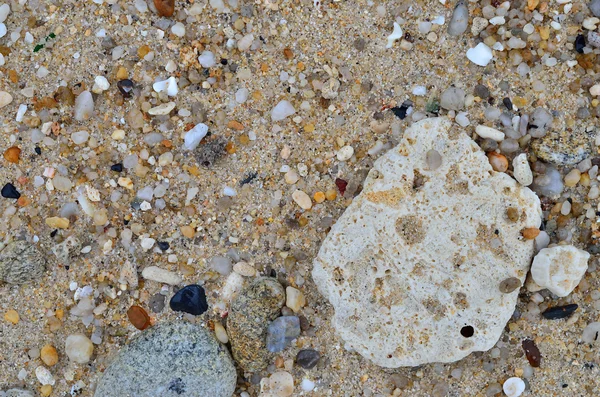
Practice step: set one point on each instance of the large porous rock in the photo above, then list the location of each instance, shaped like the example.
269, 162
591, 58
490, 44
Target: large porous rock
413, 267
249, 317
176, 359
21, 262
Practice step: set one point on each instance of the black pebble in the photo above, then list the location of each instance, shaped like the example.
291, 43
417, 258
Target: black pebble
399, 112
125, 87
308, 358
190, 299
38, 150
579, 43
10, 191
508, 103
558, 312
116, 167
163, 245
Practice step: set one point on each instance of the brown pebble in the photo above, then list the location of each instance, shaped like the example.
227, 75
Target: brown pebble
512, 213
532, 353
288, 54
12, 154
530, 233
138, 317
165, 8
509, 285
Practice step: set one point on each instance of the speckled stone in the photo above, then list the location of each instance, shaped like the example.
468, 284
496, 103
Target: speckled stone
564, 146
251, 312
21, 262
171, 359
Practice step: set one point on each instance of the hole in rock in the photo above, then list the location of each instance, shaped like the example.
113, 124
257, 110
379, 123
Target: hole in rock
467, 331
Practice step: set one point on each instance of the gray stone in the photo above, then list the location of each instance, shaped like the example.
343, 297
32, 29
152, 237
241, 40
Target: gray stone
595, 7
249, 316
460, 19
281, 332
453, 99
21, 262
565, 146
177, 359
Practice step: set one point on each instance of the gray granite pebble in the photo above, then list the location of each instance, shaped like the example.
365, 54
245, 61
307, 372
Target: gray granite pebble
21, 262
171, 359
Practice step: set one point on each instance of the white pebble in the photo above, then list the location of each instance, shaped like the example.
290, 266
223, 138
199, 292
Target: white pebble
147, 243
595, 90
229, 191
159, 275
522, 170
44, 376
245, 42
194, 136
2, 62
4, 11
207, 59
100, 84
560, 268
591, 332
513, 387
178, 29
302, 199
498, 21
80, 137
345, 153
282, 110
307, 385
79, 348
480, 55
241, 95
462, 119
169, 85
3, 30
21, 112
489, 132
419, 90
84, 106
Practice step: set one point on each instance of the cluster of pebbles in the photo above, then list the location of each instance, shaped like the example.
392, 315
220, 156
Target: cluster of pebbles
169, 171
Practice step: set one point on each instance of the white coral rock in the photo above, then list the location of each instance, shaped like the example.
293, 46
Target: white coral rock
414, 265
559, 268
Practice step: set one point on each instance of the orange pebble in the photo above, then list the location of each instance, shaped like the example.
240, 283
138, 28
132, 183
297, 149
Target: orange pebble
498, 161
319, 197
530, 233
12, 154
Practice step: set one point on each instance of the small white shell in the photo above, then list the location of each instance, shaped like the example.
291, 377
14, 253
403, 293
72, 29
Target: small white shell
513, 387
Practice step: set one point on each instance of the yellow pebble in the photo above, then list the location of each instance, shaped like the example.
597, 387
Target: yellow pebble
57, 223
11, 316
46, 390
49, 355
330, 195
319, 197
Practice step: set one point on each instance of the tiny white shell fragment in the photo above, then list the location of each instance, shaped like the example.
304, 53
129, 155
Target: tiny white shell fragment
396, 34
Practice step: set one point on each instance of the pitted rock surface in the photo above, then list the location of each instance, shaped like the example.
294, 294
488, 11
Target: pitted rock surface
413, 266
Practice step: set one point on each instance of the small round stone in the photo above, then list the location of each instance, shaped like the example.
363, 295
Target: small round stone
498, 162
165, 8
79, 348
138, 317
308, 358
49, 355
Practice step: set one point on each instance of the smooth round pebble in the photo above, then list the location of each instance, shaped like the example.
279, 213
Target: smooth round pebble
79, 348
